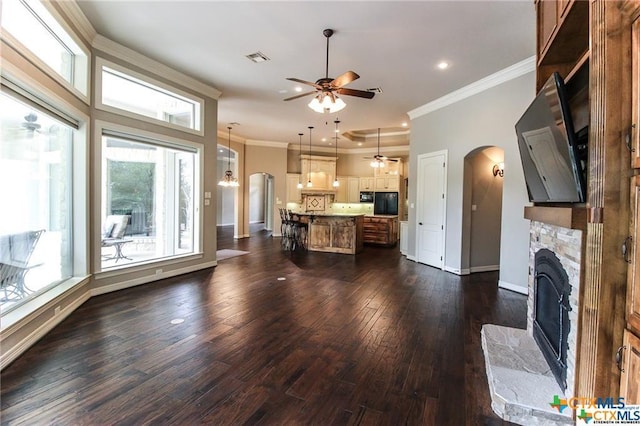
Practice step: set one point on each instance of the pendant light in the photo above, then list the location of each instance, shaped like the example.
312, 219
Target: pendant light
335, 182
309, 184
377, 162
228, 180
300, 155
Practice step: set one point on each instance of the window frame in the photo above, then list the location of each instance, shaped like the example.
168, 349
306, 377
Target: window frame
79, 246
81, 89
100, 127
198, 116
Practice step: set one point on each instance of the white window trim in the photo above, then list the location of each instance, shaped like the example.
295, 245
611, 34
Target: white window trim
39, 63
101, 62
99, 128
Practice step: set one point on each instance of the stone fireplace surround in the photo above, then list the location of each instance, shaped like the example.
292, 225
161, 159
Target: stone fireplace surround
520, 381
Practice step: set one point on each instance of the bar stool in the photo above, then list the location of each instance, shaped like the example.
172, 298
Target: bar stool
299, 231
287, 231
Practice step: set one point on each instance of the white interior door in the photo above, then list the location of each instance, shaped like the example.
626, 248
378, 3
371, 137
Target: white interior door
430, 212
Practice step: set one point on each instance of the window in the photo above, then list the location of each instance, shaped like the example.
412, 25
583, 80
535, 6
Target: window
127, 92
36, 163
31, 25
149, 204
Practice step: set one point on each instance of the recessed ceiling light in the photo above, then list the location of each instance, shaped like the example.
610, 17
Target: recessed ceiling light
298, 89
324, 139
222, 150
443, 65
359, 143
404, 124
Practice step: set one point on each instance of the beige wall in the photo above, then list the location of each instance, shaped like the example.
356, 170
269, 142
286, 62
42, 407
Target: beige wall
271, 160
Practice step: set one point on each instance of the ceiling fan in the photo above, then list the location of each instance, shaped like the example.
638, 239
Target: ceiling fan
327, 88
378, 160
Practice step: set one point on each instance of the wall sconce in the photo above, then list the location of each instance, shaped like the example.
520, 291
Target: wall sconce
498, 170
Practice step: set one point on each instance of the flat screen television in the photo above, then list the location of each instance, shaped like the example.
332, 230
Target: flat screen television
554, 157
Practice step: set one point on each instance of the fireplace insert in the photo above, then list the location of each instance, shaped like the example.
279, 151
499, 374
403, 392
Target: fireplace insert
551, 312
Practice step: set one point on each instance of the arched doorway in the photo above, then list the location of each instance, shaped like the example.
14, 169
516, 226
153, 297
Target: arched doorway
226, 199
482, 210
261, 202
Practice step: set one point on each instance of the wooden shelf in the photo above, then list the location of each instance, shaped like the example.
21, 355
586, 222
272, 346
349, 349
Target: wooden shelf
566, 217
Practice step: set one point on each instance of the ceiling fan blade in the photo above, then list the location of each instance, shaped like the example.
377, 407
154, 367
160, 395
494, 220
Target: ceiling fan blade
344, 79
301, 95
308, 83
354, 92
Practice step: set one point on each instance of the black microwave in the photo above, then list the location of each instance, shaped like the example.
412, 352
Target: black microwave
366, 197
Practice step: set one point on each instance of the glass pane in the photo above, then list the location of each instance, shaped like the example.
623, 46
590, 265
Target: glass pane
131, 94
148, 209
35, 189
34, 27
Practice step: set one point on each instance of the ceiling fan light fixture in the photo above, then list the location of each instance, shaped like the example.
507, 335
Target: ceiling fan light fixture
325, 103
377, 163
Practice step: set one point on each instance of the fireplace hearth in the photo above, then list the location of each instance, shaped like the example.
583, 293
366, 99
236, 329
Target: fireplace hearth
524, 371
551, 312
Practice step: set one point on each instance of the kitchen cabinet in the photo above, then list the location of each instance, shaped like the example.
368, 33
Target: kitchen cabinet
382, 230
349, 190
367, 184
294, 194
335, 233
630, 368
404, 237
387, 183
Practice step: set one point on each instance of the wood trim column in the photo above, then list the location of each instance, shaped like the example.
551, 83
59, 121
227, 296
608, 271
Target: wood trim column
602, 312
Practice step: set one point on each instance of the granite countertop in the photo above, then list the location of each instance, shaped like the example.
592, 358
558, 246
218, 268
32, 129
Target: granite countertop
328, 214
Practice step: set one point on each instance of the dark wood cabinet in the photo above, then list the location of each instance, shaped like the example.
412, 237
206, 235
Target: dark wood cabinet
381, 230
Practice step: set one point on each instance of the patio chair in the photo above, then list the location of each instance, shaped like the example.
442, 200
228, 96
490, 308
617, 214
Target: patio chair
113, 236
15, 254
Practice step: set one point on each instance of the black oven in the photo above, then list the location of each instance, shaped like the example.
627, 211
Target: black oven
366, 197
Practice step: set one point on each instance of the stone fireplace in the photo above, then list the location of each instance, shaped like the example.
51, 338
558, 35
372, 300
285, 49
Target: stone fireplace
527, 368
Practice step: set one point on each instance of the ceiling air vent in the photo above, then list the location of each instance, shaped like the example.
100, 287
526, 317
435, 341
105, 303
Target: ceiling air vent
257, 57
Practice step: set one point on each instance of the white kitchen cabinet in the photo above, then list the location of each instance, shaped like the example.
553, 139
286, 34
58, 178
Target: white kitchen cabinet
294, 194
367, 184
387, 183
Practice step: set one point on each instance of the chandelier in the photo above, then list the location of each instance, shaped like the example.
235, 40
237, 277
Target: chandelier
228, 180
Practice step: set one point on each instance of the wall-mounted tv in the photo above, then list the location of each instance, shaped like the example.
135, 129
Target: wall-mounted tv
554, 157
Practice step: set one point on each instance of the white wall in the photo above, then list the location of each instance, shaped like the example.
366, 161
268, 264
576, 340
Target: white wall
484, 119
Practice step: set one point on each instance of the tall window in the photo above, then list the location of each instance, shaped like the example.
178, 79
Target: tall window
148, 198
36, 192
32, 26
135, 94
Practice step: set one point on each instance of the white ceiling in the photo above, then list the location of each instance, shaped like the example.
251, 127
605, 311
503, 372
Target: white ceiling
394, 45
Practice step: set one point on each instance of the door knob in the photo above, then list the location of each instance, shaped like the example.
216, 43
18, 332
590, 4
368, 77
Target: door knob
419, 223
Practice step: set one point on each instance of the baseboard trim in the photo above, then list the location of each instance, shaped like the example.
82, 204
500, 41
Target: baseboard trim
513, 287
16, 350
411, 257
456, 270
486, 268
150, 278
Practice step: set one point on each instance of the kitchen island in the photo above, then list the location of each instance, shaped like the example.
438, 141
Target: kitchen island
334, 232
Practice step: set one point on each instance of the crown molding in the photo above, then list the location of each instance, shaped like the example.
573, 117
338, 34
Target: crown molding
270, 144
371, 150
514, 71
72, 11
106, 45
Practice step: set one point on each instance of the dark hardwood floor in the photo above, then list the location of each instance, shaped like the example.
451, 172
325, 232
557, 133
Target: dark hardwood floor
271, 338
